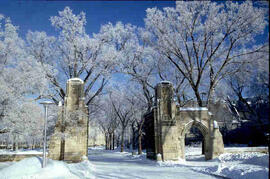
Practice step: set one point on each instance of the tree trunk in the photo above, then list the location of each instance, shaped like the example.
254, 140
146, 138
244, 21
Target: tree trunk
122, 140
106, 142
140, 132
133, 140
15, 143
140, 143
110, 139
210, 98
198, 97
133, 135
14, 146
113, 140
117, 141
33, 144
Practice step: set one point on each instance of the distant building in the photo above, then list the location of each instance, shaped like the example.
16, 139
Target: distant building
221, 112
96, 136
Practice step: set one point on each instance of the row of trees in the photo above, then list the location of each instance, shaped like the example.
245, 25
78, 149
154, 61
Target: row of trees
205, 49
209, 51
121, 115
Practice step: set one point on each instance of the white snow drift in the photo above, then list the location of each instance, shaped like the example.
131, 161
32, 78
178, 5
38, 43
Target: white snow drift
31, 168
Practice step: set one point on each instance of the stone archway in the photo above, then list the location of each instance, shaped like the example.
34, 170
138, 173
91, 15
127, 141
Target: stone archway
199, 126
167, 123
204, 131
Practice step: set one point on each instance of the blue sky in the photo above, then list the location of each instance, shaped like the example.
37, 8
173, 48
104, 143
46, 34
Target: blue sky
34, 15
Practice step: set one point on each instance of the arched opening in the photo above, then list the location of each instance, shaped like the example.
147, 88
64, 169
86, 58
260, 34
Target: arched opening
195, 138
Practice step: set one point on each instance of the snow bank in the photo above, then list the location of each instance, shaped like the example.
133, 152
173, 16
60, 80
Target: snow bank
31, 168
246, 165
243, 165
237, 171
246, 158
245, 149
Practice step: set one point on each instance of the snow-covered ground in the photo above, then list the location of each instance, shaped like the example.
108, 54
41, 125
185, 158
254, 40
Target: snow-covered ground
20, 151
117, 165
104, 164
247, 165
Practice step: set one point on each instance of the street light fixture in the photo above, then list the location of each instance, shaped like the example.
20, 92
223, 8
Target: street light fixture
45, 104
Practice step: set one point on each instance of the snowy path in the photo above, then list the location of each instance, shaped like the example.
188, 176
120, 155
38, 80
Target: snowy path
116, 165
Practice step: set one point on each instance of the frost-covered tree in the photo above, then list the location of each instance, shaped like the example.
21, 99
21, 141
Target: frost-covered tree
129, 103
204, 40
41, 48
134, 57
125, 107
167, 72
25, 123
137, 98
108, 122
250, 86
21, 80
73, 53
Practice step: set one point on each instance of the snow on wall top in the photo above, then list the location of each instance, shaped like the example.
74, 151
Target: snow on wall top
75, 79
193, 109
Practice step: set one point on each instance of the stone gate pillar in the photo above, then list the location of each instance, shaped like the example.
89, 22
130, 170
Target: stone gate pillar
75, 113
166, 123
166, 126
216, 141
72, 124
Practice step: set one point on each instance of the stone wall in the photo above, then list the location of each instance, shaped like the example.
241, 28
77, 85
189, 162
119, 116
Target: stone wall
17, 157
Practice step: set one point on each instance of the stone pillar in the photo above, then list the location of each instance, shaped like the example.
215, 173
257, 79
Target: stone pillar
73, 123
217, 145
75, 113
166, 108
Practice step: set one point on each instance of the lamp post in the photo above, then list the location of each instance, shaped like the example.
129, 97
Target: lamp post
45, 104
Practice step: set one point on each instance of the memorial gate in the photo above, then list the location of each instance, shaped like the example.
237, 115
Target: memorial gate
166, 125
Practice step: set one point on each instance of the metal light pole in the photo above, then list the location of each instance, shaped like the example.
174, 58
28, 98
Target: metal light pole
45, 104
